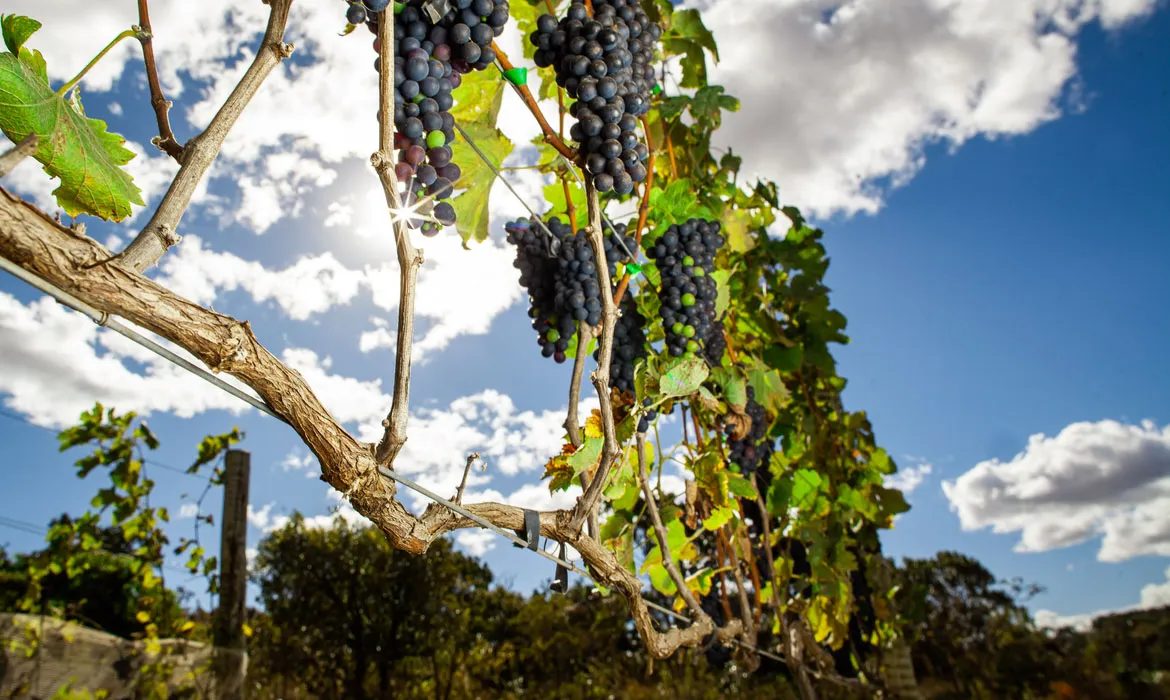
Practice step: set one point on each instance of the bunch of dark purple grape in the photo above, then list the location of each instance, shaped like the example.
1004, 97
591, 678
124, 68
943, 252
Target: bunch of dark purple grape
560, 276
435, 43
685, 255
605, 62
753, 449
715, 346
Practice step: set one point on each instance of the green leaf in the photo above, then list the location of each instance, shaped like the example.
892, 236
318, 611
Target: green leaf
571, 351
17, 30
741, 487
478, 99
718, 518
682, 376
689, 24
77, 150
554, 194
587, 456
737, 228
471, 206
806, 483
784, 359
768, 386
661, 580
733, 385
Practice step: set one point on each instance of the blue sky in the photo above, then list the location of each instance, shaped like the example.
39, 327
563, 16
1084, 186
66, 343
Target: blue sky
1009, 285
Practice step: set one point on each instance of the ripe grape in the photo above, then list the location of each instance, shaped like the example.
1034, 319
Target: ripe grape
429, 57
685, 255
605, 63
752, 450
561, 277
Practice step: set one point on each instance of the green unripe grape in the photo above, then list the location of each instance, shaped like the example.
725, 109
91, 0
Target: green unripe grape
688, 332
688, 261
553, 336
692, 346
436, 139
688, 300
698, 272
418, 98
677, 328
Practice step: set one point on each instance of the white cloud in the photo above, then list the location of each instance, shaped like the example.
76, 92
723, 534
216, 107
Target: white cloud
1093, 479
296, 461
57, 363
311, 285
188, 510
832, 107
906, 479
477, 542
261, 519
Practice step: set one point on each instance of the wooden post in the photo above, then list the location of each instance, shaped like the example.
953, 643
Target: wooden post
231, 660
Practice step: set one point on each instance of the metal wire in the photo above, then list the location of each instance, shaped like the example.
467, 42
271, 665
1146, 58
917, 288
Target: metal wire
103, 319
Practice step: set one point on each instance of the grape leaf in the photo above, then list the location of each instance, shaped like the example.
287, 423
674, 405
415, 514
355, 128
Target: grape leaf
478, 98
471, 206
77, 150
718, 518
784, 359
682, 376
741, 487
736, 227
733, 385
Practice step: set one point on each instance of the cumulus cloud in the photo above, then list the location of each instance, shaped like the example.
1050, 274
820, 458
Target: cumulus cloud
907, 479
1102, 479
57, 363
839, 99
188, 510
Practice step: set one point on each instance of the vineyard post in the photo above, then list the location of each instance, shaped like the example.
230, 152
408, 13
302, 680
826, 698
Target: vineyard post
231, 658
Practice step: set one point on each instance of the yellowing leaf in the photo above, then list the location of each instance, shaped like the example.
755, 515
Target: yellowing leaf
247, 630
593, 426
187, 626
142, 616
471, 205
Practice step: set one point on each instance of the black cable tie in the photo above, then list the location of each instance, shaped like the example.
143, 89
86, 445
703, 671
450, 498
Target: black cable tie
710, 643
531, 530
561, 582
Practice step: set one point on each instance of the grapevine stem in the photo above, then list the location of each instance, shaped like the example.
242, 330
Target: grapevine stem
571, 209
166, 140
77, 79
410, 259
670, 152
572, 422
660, 532
590, 499
643, 211
550, 136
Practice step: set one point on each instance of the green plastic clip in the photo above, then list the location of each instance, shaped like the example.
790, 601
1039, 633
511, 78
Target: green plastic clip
517, 76
633, 269
657, 89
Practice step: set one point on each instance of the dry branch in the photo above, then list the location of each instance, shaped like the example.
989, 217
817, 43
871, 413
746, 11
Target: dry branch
591, 498
160, 233
12, 157
166, 138
410, 259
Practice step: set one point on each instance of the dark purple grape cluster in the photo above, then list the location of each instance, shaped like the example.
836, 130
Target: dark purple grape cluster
685, 255
436, 42
647, 417
604, 62
753, 450
629, 345
715, 346
561, 278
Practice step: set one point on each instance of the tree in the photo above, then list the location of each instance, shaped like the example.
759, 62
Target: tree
371, 608
735, 325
